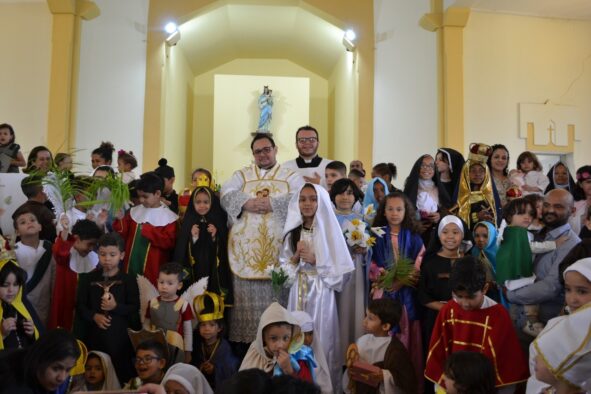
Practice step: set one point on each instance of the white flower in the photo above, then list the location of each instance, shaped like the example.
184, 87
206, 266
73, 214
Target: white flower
378, 231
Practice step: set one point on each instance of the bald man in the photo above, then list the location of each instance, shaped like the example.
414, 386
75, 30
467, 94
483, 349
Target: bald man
547, 290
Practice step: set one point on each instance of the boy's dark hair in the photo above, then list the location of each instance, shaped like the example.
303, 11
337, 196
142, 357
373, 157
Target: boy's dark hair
31, 186
409, 220
341, 185
82, 182
582, 250
132, 186
337, 166
357, 173
388, 310
86, 229
173, 268
247, 381
529, 155
12, 267
472, 373
534, 199
111, 239
105, 150
260, 136
383, 169
467, 274
308, 128
23, 209
150, 182
518, 206
286, 384
108, 169
164, 170
155, 346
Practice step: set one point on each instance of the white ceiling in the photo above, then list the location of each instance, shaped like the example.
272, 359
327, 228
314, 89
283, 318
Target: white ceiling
564, 9
254, 31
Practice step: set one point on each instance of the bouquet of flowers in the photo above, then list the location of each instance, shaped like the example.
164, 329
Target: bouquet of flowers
281, 276
356, 234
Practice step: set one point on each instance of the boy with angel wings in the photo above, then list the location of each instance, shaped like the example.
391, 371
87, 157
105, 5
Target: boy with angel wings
162, 308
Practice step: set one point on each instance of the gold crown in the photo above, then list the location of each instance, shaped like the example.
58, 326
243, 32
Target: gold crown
479, 152
199, 304
203, 180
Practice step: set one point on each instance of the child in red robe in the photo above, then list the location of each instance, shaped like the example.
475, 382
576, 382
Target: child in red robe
149, 230
74, 254
473, 322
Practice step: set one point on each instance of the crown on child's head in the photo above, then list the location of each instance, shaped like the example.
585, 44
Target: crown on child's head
479, 152
203, 180
514, 192
209, 306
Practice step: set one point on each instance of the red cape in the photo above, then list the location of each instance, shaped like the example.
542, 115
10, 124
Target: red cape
488, 331
63, 301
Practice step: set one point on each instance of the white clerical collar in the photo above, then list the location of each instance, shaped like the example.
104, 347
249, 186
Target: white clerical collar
83, 264
158, 217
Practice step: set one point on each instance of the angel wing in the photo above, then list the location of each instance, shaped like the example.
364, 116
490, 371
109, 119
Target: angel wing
147, 292
194, 290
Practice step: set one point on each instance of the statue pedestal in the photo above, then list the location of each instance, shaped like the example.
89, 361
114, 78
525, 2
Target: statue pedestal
262, 131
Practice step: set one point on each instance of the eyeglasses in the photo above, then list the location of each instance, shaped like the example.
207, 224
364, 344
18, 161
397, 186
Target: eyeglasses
427, 167
266, 150
303, 140
145, 360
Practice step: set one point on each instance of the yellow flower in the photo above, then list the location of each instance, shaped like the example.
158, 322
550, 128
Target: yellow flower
356, 235
371, 241
355, 222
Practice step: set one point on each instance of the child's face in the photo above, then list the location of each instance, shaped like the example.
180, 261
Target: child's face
451, 237
168, 184
168, 285
345, 200
450, 385
9, 289
477, 173
93, 372
101, 174
308, 202
372, 324
109, 258
522, 219
308, 338
481, 237
586, 186
84, 246
356, 165
149, 200
27, 225
96, 160
277, 338
469, 302
149, 366
358, 181
331, 176
442, 165
395, 211
378, 191
5, 136
66, 163
174, 387
55, 374
526, 165
560, 175
427, 169
202, 203
577, 290
122, 166
209, 330
43, 160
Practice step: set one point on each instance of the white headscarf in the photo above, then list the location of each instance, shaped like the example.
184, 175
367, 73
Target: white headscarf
189, 377
321, 371
565, 348
332, 254
447, 220
583, 267
256, 357
111, 382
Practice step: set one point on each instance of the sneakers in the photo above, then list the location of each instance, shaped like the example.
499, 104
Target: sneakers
533, 329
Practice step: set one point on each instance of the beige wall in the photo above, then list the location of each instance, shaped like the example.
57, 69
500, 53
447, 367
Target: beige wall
342, 86
177, 114
204, 98
510, 59
25, 39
